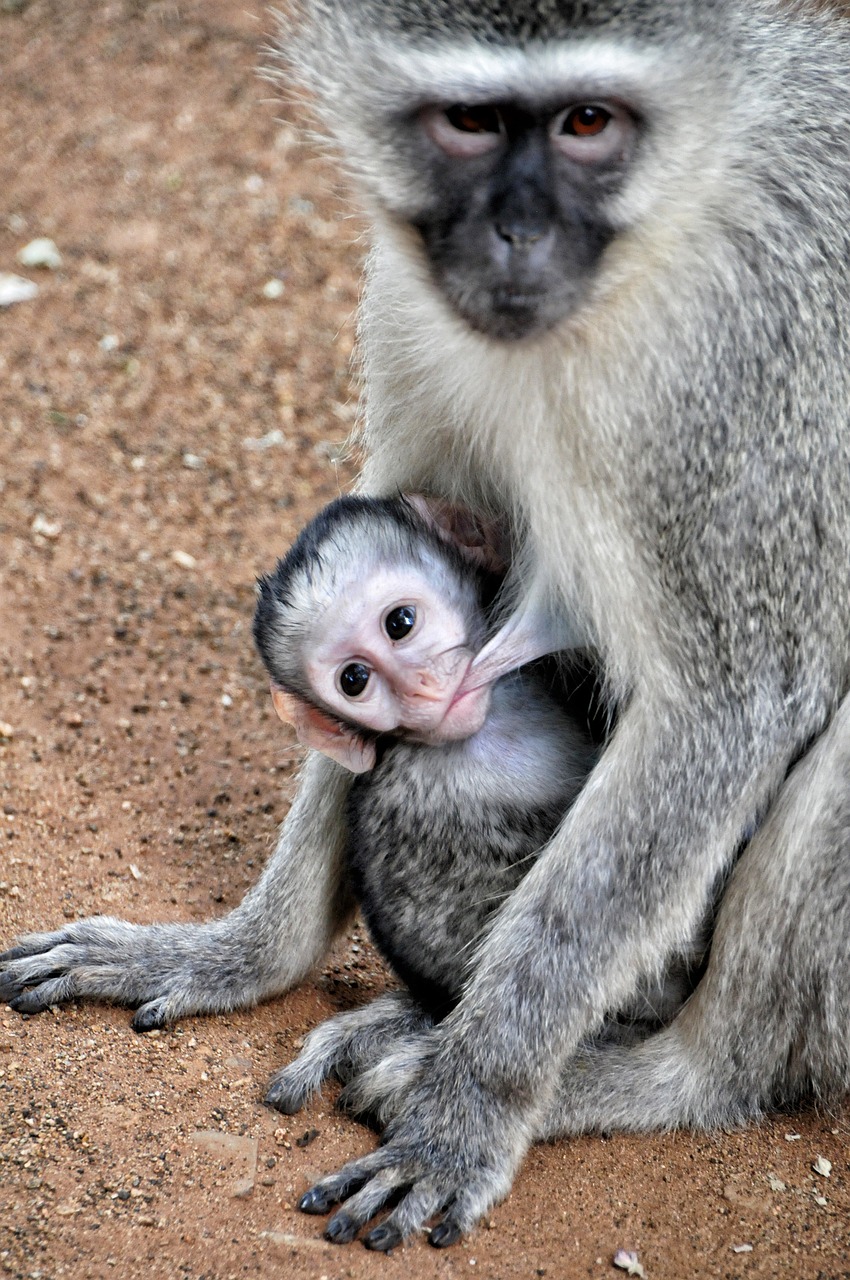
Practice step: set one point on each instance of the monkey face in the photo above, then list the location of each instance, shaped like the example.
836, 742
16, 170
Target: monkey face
518, 221
390, 654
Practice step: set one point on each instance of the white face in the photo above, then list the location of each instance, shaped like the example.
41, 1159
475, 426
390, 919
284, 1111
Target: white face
390, 654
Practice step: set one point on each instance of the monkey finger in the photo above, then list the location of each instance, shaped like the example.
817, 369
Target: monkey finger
338, 1186
424, 1199
35, 944
152, 1016
465, 1211
29, 968
359, 1208
291, 1087
58, 990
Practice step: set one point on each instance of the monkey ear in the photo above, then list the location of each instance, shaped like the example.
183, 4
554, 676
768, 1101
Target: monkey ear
484, 542
314, 729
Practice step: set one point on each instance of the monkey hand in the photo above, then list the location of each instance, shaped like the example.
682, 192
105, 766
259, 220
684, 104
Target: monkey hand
166, 970
452, 1150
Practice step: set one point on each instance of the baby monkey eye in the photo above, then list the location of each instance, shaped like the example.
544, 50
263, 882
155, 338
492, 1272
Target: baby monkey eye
585, 121
474, 119
400, 622
353, 679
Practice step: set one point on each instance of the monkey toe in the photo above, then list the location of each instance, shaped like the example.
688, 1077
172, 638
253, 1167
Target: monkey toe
10, 988
317, 1201
444, 1234
150, 1017
383, 1238
57, 990
28, 1002
285, 1096
342, 1228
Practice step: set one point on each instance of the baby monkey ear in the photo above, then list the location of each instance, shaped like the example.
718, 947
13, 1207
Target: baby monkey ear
314, 729
480, 539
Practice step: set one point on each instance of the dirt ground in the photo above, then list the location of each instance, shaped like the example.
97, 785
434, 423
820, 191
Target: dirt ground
175, 404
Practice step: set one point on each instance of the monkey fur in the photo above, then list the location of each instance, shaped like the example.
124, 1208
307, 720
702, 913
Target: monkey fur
437, 836
666, 429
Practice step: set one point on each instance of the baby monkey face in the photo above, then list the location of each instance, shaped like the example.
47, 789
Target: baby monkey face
390, 654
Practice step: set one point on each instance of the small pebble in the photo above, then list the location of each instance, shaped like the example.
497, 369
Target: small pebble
268, 441
742, 1248
628, 1261
41, 252
823, 1166
184, 559
46, 528
15, 289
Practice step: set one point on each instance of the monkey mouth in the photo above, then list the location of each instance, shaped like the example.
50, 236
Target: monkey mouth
465, 714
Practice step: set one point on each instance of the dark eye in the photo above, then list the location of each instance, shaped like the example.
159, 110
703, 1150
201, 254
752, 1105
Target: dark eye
400, 622
474, 119
353, 679
585, 121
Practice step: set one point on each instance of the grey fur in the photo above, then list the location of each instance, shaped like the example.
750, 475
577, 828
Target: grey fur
437, 836
440, 836
676, 455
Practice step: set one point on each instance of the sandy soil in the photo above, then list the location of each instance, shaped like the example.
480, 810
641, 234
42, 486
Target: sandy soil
166, 428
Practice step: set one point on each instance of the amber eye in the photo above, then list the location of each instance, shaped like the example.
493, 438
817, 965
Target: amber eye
586, 121
353, 679
400, 622
474, 119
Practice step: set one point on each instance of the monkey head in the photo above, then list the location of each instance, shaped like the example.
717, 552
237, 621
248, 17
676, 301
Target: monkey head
505, 147
371, 623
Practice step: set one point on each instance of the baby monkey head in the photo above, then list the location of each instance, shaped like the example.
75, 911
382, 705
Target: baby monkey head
373, 617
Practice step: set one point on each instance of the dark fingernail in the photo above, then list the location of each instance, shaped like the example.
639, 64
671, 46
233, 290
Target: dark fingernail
444, 1234
283, 1102
27, 1003
383, 1238
315, 1201
341, 1229
147, 1020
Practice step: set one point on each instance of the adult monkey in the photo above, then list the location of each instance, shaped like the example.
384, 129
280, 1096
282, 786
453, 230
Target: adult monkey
641, 353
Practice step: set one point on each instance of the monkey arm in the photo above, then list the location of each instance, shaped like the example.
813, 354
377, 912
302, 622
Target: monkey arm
621, 885
266, 945
532, 632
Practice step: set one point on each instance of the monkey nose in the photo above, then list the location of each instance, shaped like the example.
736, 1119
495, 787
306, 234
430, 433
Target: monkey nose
520, 235
424, 686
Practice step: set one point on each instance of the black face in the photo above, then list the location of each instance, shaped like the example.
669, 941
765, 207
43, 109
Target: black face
518, 226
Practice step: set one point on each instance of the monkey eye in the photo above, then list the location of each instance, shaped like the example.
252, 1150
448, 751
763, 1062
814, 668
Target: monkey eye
585, 121
464, 131
474, 119
400, 622
590, 133
353, 679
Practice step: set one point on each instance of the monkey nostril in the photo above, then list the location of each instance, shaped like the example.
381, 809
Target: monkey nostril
518, 235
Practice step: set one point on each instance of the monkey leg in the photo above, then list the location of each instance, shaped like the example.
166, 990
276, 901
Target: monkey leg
347, 1046
266, 945
624, 884
770, 1021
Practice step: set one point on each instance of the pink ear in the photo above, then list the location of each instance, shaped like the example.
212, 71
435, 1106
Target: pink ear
481, 540
314, 729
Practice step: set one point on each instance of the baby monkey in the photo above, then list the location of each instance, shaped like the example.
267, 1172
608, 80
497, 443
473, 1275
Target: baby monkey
369, 628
